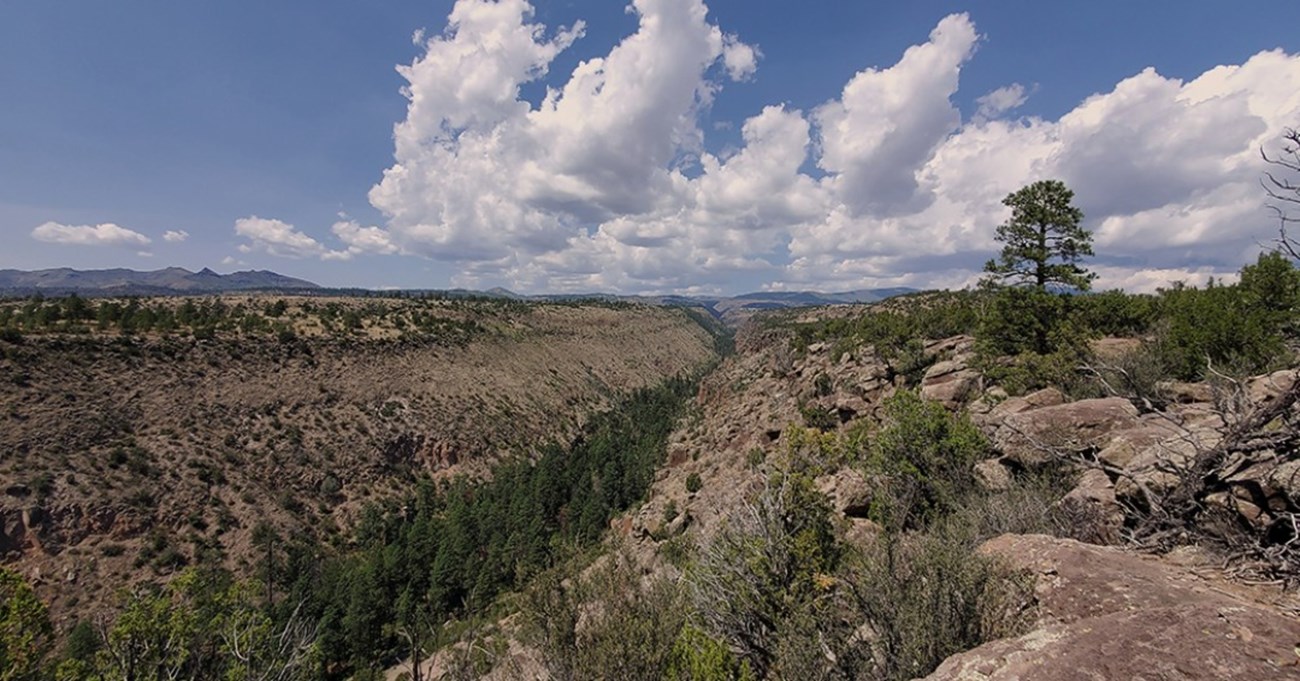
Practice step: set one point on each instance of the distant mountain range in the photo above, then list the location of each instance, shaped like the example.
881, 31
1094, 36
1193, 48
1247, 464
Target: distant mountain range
180, 281
732, 310
170, 281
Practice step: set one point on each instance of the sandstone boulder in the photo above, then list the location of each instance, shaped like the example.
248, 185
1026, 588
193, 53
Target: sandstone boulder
1003, 406
1182, 392
1271, 484
1126, 444
951, 346
1155, 466
850, 492
952, 390
1243, 507
949, 382
1092, 505
1107, 614
992, 475
1265, 389
1026, 437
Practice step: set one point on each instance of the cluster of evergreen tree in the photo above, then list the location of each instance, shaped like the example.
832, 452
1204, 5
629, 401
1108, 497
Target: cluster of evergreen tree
1241, 328
450, 550
207, 318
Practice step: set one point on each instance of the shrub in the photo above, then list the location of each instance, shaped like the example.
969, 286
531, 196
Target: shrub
1215, 326
818, 417
1136, 375
927, 596
1019, 320
823, 385
1115, 313
925, 453
769, 559
694, 483
331, 485
604, 624
670, 511
83, 642
1272, 286
696, 657
170, 558
43, 485
1030, 371
25, 630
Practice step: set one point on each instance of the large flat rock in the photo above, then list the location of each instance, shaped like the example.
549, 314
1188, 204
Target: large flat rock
1108, 614
1026, 437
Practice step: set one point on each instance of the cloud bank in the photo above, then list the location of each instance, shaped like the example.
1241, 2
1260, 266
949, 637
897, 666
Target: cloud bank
606, 183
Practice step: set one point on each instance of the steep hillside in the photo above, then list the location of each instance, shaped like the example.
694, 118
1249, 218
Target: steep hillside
1077, 464
127, 456
858, 493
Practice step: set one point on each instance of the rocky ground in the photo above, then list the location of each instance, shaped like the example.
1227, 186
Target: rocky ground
1105, 613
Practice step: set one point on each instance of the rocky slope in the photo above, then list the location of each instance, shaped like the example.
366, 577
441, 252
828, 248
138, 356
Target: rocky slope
1089, 610
753, 408
1097, 612
126, 458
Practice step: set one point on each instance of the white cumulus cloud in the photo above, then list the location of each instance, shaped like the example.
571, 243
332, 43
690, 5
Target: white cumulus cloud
606, 184
361, 240
107, 234
1000, 101
888, 123
590, 173
175, 236
281, 239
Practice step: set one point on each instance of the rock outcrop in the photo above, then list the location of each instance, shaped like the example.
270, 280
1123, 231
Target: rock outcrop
1107, 614
1026, 436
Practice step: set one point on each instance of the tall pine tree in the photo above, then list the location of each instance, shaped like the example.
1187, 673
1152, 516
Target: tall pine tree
1043, 240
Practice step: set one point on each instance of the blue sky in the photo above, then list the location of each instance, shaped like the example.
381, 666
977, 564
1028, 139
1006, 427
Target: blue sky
247, 129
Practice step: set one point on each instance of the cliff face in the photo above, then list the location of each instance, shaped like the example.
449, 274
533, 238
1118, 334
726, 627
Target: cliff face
125, 459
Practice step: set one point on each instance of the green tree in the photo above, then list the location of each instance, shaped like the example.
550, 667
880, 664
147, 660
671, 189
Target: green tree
696, 657
151, 638
1044, 241
1227, 327
1272, 286
25, 630
255, 647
